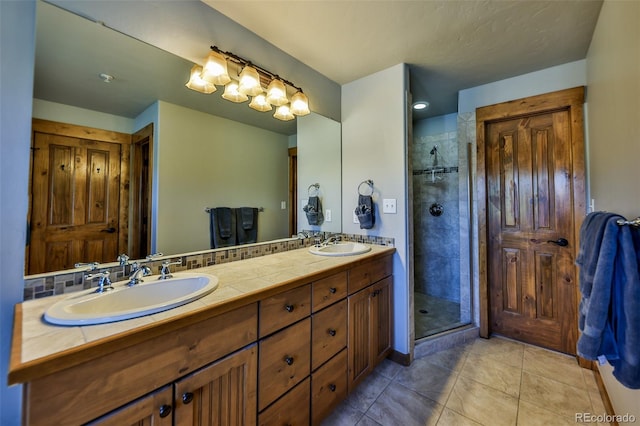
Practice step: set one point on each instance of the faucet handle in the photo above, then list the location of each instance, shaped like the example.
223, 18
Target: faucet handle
123, 259
92, 266
165, 272
153, 256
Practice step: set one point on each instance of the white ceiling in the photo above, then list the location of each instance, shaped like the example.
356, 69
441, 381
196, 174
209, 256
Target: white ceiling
450, 45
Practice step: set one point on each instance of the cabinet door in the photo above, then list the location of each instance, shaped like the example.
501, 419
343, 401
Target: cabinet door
359, 337
380, 320
153, 409
223, 393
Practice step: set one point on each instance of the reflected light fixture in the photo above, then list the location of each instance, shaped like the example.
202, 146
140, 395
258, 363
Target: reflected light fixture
283, 113
231, 93
259, 103
252, 80
197, 83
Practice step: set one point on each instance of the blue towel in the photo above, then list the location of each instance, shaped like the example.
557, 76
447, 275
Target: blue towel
609, 314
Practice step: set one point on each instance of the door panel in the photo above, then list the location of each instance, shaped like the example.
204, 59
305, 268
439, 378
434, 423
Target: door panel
75, 202
530, 206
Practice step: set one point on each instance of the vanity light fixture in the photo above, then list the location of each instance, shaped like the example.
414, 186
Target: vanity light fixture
252, 81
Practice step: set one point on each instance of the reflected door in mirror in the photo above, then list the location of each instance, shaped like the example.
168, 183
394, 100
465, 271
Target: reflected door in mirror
74, 202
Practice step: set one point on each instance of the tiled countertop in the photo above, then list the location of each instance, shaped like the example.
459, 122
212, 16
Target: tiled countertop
39, 348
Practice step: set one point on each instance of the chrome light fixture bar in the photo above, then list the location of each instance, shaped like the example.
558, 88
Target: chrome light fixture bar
265, 88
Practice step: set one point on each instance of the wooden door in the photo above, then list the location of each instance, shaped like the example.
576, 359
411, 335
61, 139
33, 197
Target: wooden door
222, 394
75, 202
154, 409
531, 187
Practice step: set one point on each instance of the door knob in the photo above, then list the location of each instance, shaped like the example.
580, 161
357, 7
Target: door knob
562, 242
109, 230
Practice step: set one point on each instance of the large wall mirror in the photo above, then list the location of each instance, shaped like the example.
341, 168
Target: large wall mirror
207, 152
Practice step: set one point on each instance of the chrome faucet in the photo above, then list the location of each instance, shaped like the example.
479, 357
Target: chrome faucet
165, 273
137, 272
332, 239
105, 282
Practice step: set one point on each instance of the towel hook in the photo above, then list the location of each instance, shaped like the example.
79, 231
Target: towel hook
368, 182
315, 186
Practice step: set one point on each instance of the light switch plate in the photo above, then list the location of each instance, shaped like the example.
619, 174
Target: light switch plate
283, 205
355, 218
327, 215
389, 205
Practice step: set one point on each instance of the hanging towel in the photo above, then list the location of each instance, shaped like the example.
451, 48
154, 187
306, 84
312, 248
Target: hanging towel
313, 210
247, 225
609, 312
222, 227
365, 211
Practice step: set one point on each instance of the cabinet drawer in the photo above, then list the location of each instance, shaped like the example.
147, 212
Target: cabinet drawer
329, 332
283, 309
328, 387
284, 361
368, 273
329, 290
291, 409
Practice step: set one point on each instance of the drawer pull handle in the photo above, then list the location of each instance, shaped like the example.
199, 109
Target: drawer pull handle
375, 293
187, 397
332, 290
332, 387
289, 308
165, 410
332, 332
289, 360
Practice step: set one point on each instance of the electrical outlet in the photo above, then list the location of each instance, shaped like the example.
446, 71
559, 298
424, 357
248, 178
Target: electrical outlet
355, 218
327, 215
389, 205
304, 203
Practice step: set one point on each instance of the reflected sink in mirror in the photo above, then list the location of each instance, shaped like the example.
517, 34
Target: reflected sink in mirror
123, 302
340, 249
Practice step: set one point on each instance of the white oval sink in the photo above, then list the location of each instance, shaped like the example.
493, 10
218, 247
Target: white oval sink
340, 249
146, 298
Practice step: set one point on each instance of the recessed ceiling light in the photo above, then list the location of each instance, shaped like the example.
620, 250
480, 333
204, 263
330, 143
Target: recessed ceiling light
421, 105
106, 78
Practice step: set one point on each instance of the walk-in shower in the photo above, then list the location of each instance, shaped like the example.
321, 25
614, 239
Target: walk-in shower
441, 225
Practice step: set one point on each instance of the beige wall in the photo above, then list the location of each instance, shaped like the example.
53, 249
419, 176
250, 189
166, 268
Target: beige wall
208, 161
613, 98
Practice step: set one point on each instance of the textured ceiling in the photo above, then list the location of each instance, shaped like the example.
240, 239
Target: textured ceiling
450, 45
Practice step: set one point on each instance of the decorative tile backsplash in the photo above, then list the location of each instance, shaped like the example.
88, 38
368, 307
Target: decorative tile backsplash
66, 282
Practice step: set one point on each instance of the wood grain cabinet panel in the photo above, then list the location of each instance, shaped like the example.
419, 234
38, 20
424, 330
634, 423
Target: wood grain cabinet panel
284, 361
279, 311
364, 275
290, 410
369, 329
328, 387
154, 409
222, 394
329, 290
329, 333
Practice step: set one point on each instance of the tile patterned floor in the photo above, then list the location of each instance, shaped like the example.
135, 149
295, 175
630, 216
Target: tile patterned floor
487, 382
434, 315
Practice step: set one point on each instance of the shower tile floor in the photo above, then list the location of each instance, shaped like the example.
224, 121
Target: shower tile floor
434, 315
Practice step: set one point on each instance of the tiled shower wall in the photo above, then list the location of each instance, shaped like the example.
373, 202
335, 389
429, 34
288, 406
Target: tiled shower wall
436, 238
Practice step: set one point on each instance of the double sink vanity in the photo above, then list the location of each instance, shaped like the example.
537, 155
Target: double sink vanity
273, 340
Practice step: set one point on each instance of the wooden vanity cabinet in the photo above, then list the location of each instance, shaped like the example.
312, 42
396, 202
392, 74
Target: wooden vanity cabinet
289, 358
223, 393
369, 327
